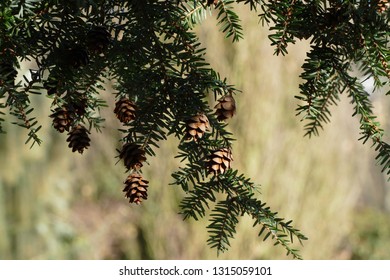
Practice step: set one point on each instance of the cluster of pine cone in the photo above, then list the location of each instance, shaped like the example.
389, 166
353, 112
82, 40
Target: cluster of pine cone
66, 117
219, 160
133, 155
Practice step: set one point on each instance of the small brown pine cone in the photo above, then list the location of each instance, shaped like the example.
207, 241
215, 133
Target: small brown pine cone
383, 5
197, 126
133, 156
78, 139
226, 108
62, 119
80, 106
125, 110
136, 188
98, 39
220, 161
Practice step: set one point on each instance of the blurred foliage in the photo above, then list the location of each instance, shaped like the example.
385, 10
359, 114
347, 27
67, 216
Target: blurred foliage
370, 237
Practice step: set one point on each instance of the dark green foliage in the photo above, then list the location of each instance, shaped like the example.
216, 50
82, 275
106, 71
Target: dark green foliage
228, 20
345, 36
151, 52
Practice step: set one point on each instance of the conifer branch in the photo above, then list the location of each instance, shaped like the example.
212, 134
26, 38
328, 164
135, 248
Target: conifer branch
281, 44
229, 20
321, 89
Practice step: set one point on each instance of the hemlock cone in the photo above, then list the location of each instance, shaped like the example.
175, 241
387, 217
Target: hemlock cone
125, 110
197, 126
136, 188
78, 139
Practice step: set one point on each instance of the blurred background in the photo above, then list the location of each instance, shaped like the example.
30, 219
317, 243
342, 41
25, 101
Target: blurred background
55, 204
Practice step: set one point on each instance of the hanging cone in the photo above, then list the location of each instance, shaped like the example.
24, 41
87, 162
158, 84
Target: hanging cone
133, 156
383, 5
220, 161
125, 110
62, 119
136, 188
98, 39
226, 108
197, 127
78, 139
